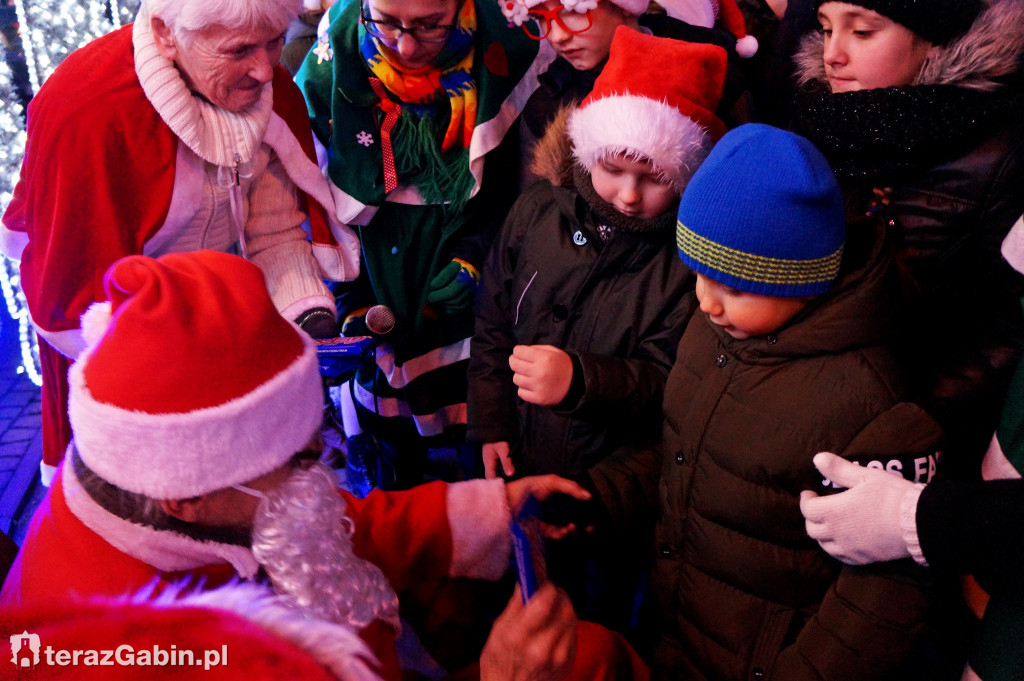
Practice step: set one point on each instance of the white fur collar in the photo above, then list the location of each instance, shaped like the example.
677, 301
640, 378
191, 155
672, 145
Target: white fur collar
165, 550
335, 646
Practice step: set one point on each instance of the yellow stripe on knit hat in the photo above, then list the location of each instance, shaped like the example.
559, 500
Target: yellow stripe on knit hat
756, 268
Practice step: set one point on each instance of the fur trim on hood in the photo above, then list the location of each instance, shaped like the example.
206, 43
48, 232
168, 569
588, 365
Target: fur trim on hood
979, 59
552, 156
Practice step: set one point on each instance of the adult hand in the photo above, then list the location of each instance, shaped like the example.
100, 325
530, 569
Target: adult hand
862, 524
493, 453
542, 372
455, 286
542, 487
535, 641
318, 322
778, 7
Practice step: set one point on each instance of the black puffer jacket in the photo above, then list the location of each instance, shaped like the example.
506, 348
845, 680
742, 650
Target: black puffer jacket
744, 592
619, 308
942, 161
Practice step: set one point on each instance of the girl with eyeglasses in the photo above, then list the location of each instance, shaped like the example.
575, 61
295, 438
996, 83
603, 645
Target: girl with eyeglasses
580, 32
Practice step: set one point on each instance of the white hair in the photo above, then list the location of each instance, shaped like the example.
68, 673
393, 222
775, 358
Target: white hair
185, 17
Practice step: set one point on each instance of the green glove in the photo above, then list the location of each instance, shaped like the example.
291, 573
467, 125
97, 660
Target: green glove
455, 286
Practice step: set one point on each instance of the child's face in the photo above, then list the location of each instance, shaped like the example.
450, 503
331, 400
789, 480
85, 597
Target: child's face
635, 188
590, 48
744, 315
865, 50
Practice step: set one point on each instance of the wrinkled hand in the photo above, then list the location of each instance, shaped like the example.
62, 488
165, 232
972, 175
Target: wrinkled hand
543, 373
862, 524
493, 453
455, 286
542, 487
531, 642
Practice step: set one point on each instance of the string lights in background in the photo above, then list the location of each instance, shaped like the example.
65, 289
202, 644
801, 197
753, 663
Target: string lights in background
49, 31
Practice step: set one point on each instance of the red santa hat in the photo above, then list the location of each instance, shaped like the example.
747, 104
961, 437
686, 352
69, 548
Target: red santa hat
639, 108
237, 632
706, 12
192, 381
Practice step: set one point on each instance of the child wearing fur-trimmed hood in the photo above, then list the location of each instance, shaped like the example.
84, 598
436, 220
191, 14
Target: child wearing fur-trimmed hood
583, 299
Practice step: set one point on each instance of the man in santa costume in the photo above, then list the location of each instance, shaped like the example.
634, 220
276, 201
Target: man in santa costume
175, 133
193, 408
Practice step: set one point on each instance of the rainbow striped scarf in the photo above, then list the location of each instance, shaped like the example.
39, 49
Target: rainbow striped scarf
420, 91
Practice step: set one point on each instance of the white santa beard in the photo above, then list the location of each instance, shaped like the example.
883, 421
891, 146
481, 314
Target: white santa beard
303, 539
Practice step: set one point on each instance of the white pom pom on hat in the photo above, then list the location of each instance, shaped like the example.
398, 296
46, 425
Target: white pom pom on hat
639, 108
94, 323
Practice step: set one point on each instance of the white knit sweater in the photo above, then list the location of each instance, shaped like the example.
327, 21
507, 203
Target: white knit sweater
258, 215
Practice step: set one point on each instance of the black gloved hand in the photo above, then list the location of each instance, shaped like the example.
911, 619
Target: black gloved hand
318, 322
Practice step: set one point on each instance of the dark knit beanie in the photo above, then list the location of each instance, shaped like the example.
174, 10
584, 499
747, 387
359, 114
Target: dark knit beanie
937, 21
763, 214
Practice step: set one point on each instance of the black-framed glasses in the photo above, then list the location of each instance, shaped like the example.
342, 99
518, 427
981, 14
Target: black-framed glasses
390, 32
538, 22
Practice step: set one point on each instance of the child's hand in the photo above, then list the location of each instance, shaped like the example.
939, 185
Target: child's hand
542, 372
493, 452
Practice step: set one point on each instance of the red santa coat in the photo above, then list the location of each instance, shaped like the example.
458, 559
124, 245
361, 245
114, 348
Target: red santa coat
416, 537
98, 182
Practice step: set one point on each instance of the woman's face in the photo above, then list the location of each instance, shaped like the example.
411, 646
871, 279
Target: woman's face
408, 52
865, 50
226, 67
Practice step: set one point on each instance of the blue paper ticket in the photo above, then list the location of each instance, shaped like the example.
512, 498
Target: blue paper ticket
528, 546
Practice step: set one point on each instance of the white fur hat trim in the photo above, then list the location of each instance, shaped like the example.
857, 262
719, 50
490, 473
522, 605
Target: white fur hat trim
182, 455
674, 143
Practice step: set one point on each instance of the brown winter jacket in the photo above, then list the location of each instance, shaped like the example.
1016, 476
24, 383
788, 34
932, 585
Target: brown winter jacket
743, 592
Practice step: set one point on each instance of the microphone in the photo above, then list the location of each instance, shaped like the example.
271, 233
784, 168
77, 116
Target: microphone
339, 356
380, 320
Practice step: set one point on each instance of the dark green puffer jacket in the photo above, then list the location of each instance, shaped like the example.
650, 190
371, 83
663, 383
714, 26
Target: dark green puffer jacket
743, 592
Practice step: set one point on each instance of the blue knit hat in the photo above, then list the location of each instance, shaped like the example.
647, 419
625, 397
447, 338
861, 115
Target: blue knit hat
763, 214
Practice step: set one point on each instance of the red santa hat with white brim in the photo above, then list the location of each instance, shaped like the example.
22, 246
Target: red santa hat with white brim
192, 381
236, 632
706, 12
639, 108
694, 12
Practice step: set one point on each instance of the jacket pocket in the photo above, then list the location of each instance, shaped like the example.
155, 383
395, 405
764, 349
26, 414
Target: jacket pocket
773, 636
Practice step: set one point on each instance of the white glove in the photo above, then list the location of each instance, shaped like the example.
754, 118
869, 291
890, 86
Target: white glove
871, 521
